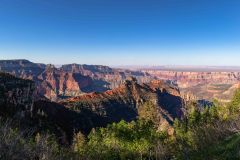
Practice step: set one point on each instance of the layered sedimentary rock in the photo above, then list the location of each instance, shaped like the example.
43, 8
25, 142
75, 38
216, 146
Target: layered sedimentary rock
22, 68
192, 78
55, 83
106, 76
69, 80
203, 85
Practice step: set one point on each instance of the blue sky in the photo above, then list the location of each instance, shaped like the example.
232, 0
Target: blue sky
121, 32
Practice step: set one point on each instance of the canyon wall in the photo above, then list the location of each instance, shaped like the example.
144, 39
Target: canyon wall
202, 85
82, 113
70, 80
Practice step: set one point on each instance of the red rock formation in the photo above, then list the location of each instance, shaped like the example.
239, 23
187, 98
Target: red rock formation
196, 77
69, 80
204, 85
124, 102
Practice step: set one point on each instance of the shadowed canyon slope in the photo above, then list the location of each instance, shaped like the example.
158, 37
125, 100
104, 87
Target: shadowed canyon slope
18, 102
82, 113
128, 99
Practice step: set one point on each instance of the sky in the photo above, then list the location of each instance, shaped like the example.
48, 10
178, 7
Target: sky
121, 32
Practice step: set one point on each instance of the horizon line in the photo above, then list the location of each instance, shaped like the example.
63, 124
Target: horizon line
130, 65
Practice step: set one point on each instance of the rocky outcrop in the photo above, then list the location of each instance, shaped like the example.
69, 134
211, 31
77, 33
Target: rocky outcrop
124, 102
70, 80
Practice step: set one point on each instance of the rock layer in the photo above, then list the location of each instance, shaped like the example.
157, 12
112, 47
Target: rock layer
203, 85
69, 80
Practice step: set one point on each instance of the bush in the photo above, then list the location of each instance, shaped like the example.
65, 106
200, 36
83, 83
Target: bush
19, 145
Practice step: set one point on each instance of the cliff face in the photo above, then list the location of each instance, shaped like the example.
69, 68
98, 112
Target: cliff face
22, 68
111, 78
197, 77
203, 85
69, 80
55, 83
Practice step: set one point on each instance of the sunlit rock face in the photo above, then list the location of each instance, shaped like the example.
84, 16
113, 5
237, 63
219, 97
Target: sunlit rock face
202, 85
70, 80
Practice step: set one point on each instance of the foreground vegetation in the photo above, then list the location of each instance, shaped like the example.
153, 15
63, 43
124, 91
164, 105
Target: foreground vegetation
203, 133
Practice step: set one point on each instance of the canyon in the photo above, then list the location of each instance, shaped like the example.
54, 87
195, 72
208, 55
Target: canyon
83, 113
72, 98
201, 84
69, 80
72, 80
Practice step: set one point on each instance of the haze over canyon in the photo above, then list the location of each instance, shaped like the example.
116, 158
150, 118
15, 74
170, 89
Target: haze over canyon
73, 100
75, 79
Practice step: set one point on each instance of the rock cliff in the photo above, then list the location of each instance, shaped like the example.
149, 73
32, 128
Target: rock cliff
203, 85
69, 80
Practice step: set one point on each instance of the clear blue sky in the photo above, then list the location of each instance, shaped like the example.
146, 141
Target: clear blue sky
121, 32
